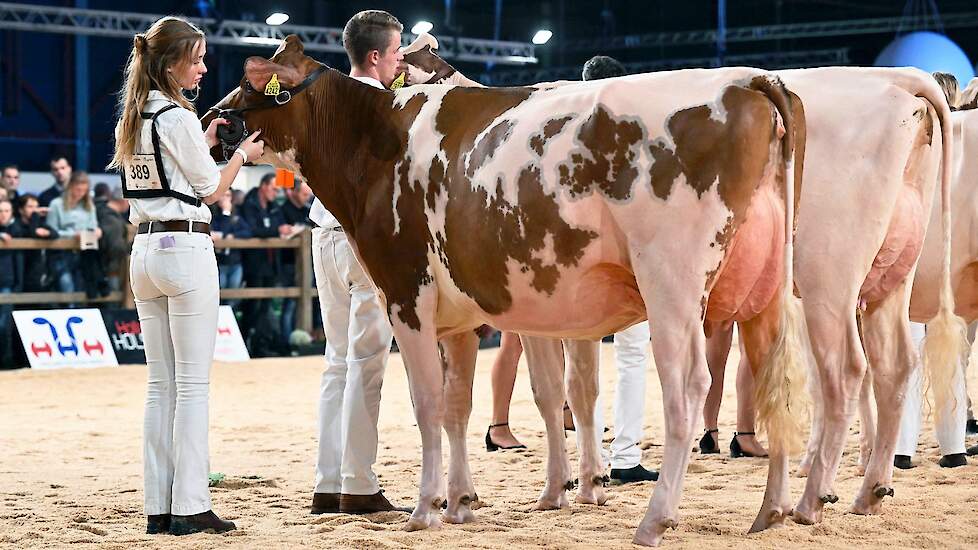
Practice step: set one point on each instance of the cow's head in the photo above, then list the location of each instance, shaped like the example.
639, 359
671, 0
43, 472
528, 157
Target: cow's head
274, 95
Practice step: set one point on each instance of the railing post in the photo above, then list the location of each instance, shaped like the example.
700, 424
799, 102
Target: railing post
304, 275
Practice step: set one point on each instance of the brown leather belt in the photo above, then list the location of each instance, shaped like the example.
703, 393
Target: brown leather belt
174, 226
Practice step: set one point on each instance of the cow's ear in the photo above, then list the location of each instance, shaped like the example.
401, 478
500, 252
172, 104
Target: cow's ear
291, 44
259, 71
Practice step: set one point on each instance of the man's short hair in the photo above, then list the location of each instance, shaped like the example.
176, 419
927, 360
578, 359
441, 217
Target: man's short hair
602, 66
267, 178
8, 167
368, 31
102, 189
56, 158
24, 199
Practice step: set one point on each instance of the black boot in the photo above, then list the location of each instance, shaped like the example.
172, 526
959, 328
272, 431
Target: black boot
199, 523
903, 462
707, 445
635, 473
972, 426
953, 460
157, 524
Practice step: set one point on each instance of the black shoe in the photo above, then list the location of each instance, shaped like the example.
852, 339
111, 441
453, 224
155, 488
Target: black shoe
491, 446
953, 461
157, 524
633, 474
199, 523
972, 426
707, 445
973, 450
903, 462
736, 451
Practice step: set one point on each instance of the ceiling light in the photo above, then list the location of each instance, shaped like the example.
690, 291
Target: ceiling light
421, 27
276, 18
542, 37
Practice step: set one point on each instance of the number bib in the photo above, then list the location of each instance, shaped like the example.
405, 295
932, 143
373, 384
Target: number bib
142, 173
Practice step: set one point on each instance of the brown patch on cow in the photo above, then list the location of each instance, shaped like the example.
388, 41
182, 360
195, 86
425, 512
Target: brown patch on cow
481, 240
613, 146
708, 151
428, 61
553, 127
486, 147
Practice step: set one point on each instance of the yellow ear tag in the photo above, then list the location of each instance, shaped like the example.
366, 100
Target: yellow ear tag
398, 82
273, 87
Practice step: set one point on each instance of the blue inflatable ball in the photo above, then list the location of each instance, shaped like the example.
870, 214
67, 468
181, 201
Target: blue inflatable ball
928, 51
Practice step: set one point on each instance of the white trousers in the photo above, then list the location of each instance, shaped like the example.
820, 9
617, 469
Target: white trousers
177, 296
358, 342
632, 355
950, 430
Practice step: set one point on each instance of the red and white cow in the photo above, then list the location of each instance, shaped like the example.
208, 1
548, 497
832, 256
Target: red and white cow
570, 212
864, 206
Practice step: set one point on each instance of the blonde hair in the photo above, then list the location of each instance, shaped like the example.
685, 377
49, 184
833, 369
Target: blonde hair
169, 41
77, 178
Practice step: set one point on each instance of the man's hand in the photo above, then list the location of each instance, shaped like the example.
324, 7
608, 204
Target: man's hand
284, 230
42, 233
5, 237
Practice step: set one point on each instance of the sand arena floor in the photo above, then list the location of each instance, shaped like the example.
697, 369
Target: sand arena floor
71, 473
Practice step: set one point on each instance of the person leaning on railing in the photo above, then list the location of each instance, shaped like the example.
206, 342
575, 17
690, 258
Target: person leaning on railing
71, 214
31, 225
11, 278
228, 223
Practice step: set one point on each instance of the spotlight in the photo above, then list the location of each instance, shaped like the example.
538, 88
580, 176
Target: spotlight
276, 18
421, 27
542, 37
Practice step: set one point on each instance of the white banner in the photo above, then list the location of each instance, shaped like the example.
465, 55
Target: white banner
63, 338
229, 346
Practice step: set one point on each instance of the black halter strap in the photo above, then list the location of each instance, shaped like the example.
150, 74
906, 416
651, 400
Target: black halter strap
279, 99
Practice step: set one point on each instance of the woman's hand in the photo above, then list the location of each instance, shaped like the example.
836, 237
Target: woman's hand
42, 233
98, 232
210, 136
253, 146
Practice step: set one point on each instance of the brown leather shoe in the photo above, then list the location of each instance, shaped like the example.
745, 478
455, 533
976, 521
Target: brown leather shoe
325, 503
368, 504
199, 523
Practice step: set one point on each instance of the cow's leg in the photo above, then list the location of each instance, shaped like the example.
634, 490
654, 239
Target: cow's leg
545, 358
759, 337
582, 395
679, 348
890, 350
841, 364
460, 354
867, 420
419, 350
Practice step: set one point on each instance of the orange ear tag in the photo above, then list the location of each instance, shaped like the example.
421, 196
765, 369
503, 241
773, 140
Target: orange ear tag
284, 178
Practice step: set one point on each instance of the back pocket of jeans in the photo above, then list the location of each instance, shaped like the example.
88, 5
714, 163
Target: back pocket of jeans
173, 269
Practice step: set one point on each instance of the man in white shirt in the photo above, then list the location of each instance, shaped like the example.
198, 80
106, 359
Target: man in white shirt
358, 331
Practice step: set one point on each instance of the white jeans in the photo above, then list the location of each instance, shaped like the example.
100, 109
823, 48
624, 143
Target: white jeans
177, 297
358, 342
950, 430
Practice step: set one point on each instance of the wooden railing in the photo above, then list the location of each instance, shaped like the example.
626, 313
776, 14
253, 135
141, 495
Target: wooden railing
304, 292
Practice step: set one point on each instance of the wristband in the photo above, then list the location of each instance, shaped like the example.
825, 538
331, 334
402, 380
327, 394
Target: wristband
244, 156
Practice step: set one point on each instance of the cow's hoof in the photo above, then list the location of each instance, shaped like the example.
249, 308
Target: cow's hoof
550, 502
591, 495
420, 521
805, 515
871, 504
770, 518
650, 532
461, 514
830, 498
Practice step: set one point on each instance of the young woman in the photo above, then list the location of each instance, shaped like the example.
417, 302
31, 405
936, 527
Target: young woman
170, 180
69, 215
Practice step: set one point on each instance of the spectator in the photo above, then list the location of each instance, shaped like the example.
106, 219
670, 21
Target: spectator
10, 180
261, 267
295, 211
61, 170
227, 223
30, 225
11, 278
113, 247
237, 198
69, 215
4, 194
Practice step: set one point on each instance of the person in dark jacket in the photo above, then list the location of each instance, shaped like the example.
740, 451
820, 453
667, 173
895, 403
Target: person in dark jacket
261, 267
295, 211
11, 278
227, 223
61, 170
113, 247
31, 225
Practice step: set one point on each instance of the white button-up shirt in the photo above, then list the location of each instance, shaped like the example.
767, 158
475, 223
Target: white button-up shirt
187, 163
318, 213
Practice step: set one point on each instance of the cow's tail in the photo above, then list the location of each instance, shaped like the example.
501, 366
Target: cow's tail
782, 401
946, 343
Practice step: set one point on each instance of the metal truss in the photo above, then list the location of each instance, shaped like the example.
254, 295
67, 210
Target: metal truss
776, 32
775, 60
54, 19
